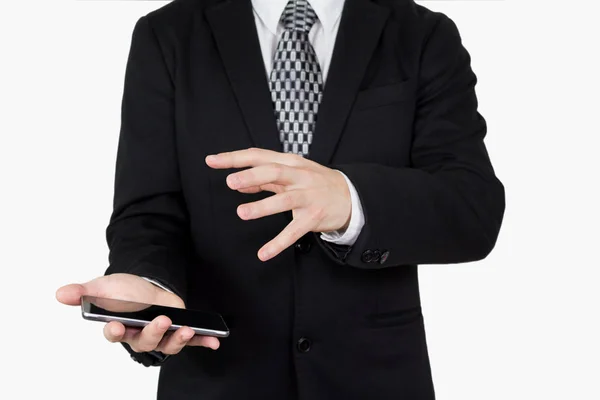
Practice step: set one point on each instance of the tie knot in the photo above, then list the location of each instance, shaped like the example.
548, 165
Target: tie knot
298, 16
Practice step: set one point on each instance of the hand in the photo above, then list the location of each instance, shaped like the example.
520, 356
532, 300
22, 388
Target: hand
133, 288
318, 197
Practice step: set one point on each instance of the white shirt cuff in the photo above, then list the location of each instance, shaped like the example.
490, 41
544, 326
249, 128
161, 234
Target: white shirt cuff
357, 221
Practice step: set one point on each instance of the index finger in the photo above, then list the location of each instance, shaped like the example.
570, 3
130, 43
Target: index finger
251, 158
287, 237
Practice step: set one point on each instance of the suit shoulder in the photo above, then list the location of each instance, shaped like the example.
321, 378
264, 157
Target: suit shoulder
417, 19
434, 21
176, 15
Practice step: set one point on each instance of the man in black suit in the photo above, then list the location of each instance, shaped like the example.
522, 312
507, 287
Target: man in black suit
295, 193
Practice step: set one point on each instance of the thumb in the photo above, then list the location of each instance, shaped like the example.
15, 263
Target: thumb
70, 294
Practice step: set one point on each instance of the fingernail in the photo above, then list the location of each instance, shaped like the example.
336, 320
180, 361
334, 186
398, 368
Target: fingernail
233, 181
188, 335
211, 158
264, 255
244, 212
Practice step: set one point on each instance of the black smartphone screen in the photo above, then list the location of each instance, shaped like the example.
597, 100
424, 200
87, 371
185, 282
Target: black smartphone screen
138, 313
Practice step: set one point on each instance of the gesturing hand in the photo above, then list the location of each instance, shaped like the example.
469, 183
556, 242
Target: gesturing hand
318, 197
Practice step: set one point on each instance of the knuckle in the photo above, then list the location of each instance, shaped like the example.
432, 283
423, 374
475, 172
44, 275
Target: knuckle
297, 233
310, 177
181, 341
317, 213
295, 159
246, 176
288, 236
300, 199
277, 170
288, 200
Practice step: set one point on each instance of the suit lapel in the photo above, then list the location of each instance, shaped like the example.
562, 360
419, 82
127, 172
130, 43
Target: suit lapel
360, 28
233, 25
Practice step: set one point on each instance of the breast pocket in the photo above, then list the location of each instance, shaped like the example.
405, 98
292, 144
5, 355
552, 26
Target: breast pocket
380, 96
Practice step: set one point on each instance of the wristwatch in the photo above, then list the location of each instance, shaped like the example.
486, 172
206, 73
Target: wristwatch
148, 359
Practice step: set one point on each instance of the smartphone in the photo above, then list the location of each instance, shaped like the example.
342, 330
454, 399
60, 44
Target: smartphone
134, 314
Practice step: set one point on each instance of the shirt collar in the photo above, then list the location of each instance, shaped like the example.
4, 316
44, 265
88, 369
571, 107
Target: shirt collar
269, 11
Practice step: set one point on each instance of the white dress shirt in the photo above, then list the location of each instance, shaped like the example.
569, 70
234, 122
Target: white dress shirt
267, 14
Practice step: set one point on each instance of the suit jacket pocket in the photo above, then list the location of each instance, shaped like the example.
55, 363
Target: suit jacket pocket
383, 95
395, 318
398, 300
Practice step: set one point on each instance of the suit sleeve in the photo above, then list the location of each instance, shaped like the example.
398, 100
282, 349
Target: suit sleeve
449, 205
148, 233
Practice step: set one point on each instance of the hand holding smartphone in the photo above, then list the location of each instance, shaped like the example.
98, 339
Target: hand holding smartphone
132, 322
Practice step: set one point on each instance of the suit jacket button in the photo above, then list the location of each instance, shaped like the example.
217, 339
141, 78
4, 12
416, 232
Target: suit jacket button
367, 256
303, 246
384, 257
376, 256
304, 345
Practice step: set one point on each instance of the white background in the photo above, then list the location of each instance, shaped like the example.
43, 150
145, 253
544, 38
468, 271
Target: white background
523, 324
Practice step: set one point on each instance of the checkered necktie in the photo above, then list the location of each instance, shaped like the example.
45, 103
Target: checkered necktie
296, 81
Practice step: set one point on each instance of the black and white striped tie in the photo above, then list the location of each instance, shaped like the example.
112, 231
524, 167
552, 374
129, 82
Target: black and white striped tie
296, 81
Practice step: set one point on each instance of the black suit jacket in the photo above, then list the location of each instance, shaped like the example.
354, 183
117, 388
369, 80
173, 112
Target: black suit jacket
399, 118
